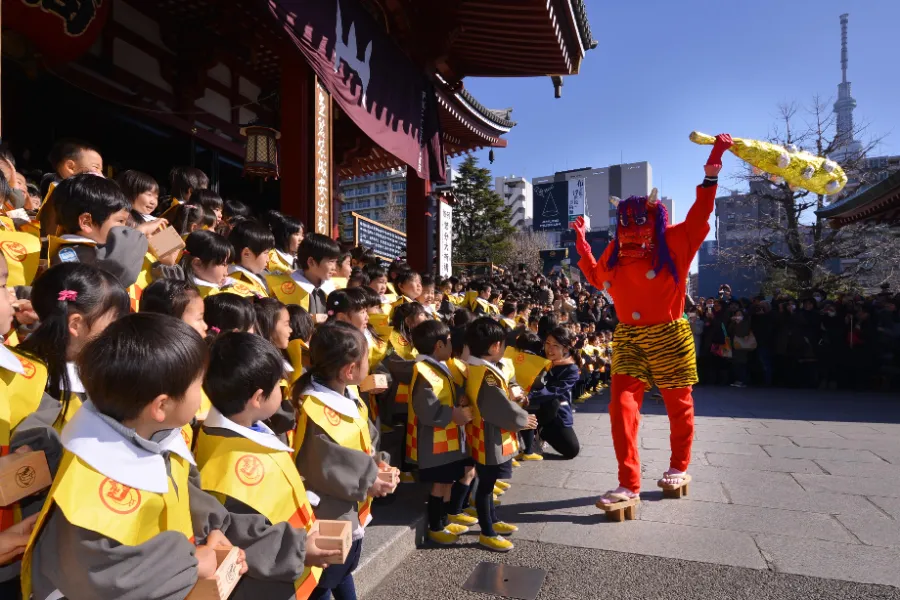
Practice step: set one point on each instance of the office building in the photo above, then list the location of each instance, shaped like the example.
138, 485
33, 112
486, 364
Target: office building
379, 196
516, 194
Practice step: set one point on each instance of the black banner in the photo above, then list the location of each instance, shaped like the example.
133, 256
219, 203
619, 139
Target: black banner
551, 208
386, 243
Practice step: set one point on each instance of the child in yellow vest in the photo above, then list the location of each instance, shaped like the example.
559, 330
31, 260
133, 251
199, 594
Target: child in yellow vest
244, 464
310, 285
409, 287
92, 213
122, 514
204, 263
336, 443
302, 327
69, 157
342, 271
142, 191
252, 244
273, 324
497, 418
288, 233
399, 364
378, 283
427, 297
434, 434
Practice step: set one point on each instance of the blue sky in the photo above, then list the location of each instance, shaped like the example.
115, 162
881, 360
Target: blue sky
664, 68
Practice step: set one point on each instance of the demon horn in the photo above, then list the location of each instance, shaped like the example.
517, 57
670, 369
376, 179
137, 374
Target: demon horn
652, 199
614, 200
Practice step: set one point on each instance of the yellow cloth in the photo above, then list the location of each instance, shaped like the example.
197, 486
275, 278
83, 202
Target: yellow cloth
478, 374
528, 367
23, 255
287, 291
444, 439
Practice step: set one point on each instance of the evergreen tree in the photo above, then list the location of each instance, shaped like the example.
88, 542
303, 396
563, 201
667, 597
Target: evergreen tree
481, 221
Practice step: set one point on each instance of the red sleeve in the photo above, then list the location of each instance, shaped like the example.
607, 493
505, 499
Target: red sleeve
595, 270
696, 223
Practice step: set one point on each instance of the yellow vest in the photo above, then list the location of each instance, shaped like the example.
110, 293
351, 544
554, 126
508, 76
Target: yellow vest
187, 432
527, 367
349, 433
381, 323
459, 371
20, 395
475, 429
508, 324
124, 514
277, 265
248, 282
405, 350
340, 283
23, 255
445, 439
145, 277
238, 288
287, 291
40, 211
378, 349
236, 466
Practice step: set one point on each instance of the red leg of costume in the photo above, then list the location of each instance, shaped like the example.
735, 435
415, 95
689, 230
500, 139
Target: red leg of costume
680, 408
626, 396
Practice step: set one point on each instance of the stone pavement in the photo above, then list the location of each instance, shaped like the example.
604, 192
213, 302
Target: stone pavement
801, 482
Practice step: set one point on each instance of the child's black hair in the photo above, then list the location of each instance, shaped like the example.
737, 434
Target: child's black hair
358, 278
302, 324
546, 324
239, 365
207, 199
186, 215
375, 272
209, 218
345, 301
87, 193
283, 227
480, 286
184, 180
235, 208
363, 256
134, 183
332, 347
462, 317
68, 149
372, 298
228, 312
317, 247
407, 276
97, 293
458, 324
509, 308
427, 280
404, 312
208, 247
482, 334
267, 311
251, 235
168, 297
138, 358
427, 334
529, 341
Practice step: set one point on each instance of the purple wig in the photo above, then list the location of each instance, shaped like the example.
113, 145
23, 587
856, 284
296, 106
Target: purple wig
639, 207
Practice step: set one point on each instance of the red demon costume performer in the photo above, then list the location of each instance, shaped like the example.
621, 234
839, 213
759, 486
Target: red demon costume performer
645, 270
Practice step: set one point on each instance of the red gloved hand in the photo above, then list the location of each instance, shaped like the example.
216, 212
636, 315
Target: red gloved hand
723, 143
584, 249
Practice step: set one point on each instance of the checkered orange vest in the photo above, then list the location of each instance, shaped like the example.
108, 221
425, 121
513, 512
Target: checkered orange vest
444, 439
475, 429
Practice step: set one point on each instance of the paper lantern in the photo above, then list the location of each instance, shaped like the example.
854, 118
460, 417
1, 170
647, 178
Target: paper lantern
261, 156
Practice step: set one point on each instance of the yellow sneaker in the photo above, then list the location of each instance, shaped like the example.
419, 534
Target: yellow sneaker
496, 543
463, 519
516, 463
442, 537
407, 478
534, 456
456, 529
499, 491
503, 485
497, 501
472, 513
504, 528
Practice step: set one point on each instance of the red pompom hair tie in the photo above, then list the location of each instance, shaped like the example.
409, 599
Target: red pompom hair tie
215, 330
68, 296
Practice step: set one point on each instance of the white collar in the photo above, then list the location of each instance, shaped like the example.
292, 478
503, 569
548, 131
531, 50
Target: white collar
288, 368
204, 283
285, 257
333, 400
259, 280
327, 285
71, 237
436, 363
8, 359
147, 218
265, 438
474, 360
94, 441
75, 385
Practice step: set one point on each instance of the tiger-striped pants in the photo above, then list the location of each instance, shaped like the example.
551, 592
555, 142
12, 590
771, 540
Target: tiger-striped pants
642, 356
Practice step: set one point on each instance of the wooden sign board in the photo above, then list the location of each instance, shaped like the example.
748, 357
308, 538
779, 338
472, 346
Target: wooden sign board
21, 475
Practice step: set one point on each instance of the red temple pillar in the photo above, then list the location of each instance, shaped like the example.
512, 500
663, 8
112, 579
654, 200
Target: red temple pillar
296, 136
417, 221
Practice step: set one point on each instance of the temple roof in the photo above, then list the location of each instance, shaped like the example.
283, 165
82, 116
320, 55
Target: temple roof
880, 203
